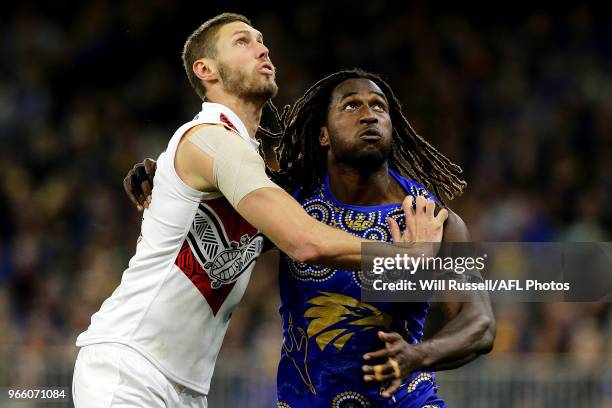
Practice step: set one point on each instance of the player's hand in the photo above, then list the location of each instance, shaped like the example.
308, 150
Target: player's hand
422, 224
401, 360
138, 183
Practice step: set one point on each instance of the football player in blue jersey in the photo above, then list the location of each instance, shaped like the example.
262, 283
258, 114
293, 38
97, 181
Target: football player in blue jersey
349, 156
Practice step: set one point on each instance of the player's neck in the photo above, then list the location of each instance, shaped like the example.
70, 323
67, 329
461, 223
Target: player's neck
351, 186
249, 112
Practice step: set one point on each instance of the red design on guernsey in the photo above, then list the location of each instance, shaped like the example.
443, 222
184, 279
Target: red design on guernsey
225, 120
188, 263
234, 225
236, 229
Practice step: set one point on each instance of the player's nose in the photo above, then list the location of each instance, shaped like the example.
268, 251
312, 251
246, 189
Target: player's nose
262, 51
368, 116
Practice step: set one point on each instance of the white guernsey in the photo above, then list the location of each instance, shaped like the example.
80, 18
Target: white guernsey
193, 260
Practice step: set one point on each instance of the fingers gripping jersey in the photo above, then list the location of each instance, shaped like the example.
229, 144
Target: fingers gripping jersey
327, 328
191, 267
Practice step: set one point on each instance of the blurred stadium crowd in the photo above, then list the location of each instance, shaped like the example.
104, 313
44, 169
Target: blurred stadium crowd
523, 101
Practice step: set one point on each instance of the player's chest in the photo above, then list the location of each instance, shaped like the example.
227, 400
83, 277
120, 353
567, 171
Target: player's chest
365, 222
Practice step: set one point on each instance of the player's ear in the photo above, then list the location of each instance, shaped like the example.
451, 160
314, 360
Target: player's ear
205, 69
324, 136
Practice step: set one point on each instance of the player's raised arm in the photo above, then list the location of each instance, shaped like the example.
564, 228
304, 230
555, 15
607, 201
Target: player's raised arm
212, 157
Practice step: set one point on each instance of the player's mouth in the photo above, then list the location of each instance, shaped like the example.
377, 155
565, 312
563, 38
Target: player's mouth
266, 68
370, 134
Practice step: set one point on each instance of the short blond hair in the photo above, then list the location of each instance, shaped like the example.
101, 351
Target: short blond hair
202, 43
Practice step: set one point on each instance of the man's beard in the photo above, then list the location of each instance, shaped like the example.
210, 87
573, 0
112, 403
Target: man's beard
250, 88
364, 161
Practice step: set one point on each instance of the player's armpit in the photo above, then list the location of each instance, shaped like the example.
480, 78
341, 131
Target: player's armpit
268, 263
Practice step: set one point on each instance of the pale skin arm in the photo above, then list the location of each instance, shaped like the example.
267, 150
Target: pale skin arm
469, 331
281, 218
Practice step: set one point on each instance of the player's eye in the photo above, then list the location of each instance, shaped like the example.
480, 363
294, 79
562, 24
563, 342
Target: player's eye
241, 42
379, 106
349, 106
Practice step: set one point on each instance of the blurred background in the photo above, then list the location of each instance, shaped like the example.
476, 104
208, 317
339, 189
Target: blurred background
521, 98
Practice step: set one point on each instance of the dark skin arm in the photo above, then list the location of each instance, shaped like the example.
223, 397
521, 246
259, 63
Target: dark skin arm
469, 331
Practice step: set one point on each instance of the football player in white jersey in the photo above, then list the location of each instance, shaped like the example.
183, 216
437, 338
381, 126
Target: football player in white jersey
155, 341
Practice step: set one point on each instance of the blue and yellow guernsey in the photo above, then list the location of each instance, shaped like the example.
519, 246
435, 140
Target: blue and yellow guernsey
327, 329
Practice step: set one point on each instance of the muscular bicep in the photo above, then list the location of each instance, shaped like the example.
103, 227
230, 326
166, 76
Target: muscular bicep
455, 230
478, 302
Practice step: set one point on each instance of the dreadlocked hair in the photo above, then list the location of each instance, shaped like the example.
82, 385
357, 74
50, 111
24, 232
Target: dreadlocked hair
302, 160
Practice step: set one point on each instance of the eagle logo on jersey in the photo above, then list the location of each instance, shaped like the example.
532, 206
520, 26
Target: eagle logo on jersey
337, 317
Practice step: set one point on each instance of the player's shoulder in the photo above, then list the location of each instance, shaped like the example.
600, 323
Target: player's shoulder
208, 137
455, 229
414, 188
208, 129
